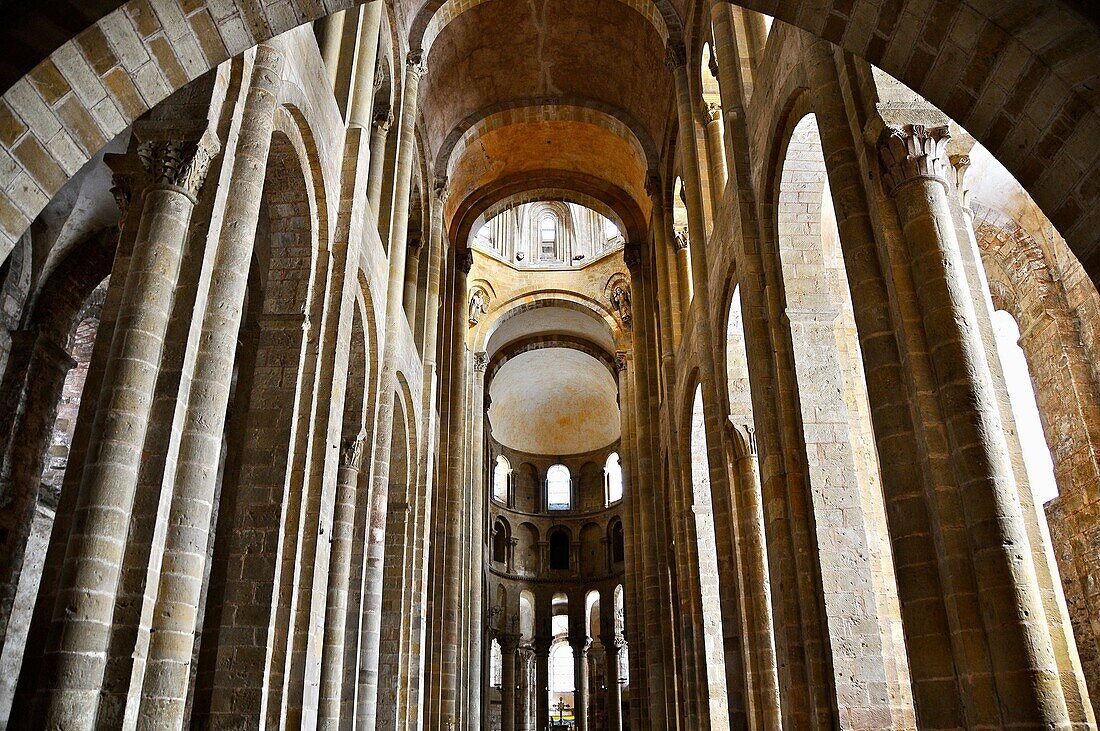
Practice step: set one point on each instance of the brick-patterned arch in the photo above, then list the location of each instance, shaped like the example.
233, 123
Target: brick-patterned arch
1016, 74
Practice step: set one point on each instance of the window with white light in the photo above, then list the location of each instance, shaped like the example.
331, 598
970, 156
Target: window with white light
613, 479
558, 492
501, 472
548, 236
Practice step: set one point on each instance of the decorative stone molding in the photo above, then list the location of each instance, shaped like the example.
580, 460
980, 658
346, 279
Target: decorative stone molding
351, 454
620, 361
481, 361
179, 164
914, 152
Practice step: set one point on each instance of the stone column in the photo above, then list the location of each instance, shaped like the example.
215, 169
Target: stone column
185, 553
73, 672
580, 645
376, 543
330, 33
339, 582
508, 644
670, 320
612, 644
380, 130
476, 544
30, 393
716, 155
915, 166
542, 683
364, 84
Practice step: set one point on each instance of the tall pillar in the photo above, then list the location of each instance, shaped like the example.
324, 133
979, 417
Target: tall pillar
339, 582
363, 88
716, 155
542, 683
476, 544
31, 390
580, 645
183, 564
1025, 672
73, 671
612, 644
380, 130
376, 544
508, 645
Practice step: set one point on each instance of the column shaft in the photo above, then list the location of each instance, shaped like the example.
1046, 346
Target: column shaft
184, 562
716, 157
478, 537
73, 672
542, 683
376, 545
363, 87
380, 129
508, 646
611, 648
580, 682
1024, 667
339, 578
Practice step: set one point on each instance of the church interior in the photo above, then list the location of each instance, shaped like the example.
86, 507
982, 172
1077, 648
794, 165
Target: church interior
527, 365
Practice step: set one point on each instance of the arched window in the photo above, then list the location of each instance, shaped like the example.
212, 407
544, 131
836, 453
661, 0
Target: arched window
559, 551
501, 536
496, 664
613, 479
618, 544
558, 488
502, 472
548, 237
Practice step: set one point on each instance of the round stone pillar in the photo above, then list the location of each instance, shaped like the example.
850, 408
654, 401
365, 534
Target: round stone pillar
379, 132
364, 84
542, 683
716, 155
508, 645
612, 644
171, 638
1012, 614
339, 584
580, 645
73, 670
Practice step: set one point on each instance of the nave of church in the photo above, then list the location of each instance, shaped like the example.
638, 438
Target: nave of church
517, 365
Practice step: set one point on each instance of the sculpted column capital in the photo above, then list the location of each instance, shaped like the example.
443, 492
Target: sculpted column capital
580, 643
653, 185
351, 453
481, 361
632, 257
680, 240
383, 120
179, 164
415, 63
913, 152
620, 361
675, 56
465, 261
961, 166
439, 188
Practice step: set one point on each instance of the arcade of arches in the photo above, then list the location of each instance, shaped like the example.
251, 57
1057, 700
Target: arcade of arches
591, 364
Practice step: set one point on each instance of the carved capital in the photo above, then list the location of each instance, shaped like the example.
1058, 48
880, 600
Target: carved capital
465, 261
179, 164
913, 152
580, 643
961, 166
632, 256
481, 361
653, 185
675, 56
351, 453
123, 192
712, 112
415, 63
680, 239
439, 188
620, 361
383, 120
